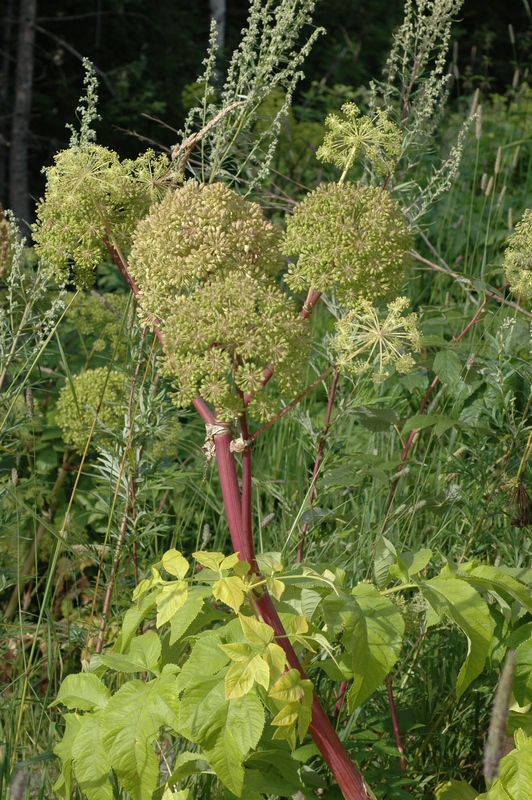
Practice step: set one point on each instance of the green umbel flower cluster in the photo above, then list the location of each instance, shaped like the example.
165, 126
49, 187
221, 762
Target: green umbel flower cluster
375, 138
369, 341
348, 238
96, 392
92, 197
518, 257
205, 262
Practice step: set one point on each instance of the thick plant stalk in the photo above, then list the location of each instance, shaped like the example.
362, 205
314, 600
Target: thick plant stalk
325, 737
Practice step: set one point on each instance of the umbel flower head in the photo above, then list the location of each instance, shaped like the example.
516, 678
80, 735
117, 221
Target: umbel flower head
518, 257
368, 340
348, 238
205, 262
94, 393
91, 196
374, 138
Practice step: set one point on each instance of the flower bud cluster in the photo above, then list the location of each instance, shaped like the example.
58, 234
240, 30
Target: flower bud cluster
94, 393
91, 196
348, 238
205, 262
518, 257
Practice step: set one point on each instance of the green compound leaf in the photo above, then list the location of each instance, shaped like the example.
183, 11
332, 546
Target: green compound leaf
170, 599
82, 691
465, 607
91, 764
129, 725
256, 633
175, 564
374, 641
143, 656
226, 759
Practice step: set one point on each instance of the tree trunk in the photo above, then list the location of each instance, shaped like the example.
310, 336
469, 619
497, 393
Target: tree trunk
18, 157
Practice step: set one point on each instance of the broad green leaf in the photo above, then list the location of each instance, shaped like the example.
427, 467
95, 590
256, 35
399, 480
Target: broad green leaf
514, 781
144, 654
187, 764
64, 751
374, 642
179, 794
188, 612
287, 716
130, 723
447, 366
209, 560
256, 633
275, 657
376, 419
170, 599
409, 564
231, 591
492, 579
230, 561
175, 564
246, 718
340, 613
287, 687
275, 587
455, 790
385, 556
420, 421
91, 764
242, 676
522, 687
226, 759
83, 691
465, 607
206, 659
132, 619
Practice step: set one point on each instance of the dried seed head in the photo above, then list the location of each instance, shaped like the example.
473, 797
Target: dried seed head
520, 507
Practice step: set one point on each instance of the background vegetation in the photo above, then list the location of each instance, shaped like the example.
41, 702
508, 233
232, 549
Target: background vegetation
69, 533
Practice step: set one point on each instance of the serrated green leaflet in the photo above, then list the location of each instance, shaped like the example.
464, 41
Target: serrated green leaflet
185, 616
175, 564
226, 759
256, 633
242, 676
130, 723
132, 619
374, 642
385, 556
447, 366
169, 600
492, 579
206, 659
91, 765
144, 653
82, 691
230, 591
209, 560
465, 607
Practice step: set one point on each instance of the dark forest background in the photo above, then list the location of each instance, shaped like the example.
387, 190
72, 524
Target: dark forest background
147, 51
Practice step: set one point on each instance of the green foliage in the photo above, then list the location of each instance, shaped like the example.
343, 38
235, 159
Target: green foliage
518, 257
348, 238
95, 395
